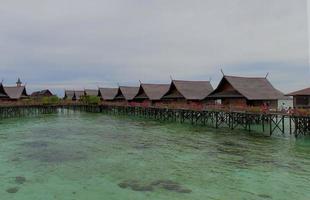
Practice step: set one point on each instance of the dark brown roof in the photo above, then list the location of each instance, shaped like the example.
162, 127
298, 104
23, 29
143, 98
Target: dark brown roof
152, 91
108, 93
16, 92
2, 92
303, 92
252, 88
41, 93
190, 90
89, 92
79, 94
129, 92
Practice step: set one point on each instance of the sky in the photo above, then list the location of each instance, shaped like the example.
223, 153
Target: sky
77, 44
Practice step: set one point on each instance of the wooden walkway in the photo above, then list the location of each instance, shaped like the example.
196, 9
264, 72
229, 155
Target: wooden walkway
252, 122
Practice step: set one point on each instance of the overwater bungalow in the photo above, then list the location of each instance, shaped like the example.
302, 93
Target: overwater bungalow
149, 94
234, 91
301, 98
15, 93
126, 94
186, 94
108, 96
69, 95
90, 92
41, 94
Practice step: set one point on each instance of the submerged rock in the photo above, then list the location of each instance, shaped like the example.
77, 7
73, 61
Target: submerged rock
123, 185
12, 190
164, 184
20, 179
135, 186
142, 188
171, 186
265, 196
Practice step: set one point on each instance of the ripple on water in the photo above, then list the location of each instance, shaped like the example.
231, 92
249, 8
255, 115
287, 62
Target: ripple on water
36, 144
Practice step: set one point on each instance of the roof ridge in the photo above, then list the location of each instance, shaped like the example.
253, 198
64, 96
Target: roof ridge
155, 83
192, 81
248, 77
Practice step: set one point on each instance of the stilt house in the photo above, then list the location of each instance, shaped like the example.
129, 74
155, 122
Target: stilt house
246, 91
149, 94
186, 94
301, 98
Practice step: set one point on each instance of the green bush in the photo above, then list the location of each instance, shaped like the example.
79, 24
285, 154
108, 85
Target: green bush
91, 100
50, 100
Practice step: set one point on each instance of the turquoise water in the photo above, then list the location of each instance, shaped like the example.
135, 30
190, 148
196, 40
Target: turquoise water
94, 156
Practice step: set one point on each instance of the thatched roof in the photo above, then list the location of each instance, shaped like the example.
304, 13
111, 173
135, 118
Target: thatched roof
190, 90
42, 93
303, 92
152, 91
79, 94
108, 93
251, 88
89, 92
128, 92
16, 92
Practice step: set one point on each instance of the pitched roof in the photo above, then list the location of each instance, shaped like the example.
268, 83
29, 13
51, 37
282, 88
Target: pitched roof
108, 93
152, 91
252, 88
89, 92
42, 92
303, 92
129, 92
15, 92
190, 90
79, 94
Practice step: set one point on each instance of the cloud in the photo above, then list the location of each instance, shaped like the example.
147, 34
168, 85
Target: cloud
77, 42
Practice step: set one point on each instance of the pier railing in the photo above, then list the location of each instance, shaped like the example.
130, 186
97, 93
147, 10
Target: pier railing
267, 123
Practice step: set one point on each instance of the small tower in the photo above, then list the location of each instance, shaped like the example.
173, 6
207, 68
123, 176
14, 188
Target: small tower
18, 83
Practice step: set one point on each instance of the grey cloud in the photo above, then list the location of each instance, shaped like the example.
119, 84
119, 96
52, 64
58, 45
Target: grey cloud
110, 41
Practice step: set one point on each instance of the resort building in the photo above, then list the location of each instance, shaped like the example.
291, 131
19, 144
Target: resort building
126, 94
149, 94
89, 92
186, 94
301, 98
69, 95
235, 91
15, 92
41, 94
108, 96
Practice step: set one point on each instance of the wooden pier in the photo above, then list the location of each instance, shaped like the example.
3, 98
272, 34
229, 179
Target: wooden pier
269, 123
266, 123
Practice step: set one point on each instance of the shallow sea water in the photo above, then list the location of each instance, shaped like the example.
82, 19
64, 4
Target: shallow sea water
94, 156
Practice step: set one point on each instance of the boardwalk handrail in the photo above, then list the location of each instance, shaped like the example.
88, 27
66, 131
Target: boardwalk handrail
271, 122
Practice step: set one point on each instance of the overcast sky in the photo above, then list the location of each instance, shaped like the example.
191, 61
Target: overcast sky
79, 44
